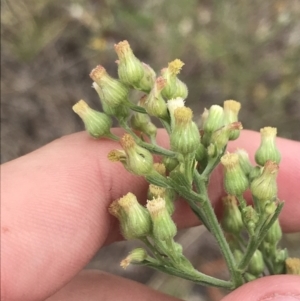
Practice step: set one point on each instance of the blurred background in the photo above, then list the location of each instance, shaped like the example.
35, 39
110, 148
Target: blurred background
243, 50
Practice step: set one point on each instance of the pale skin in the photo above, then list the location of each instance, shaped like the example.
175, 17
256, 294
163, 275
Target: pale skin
54, 219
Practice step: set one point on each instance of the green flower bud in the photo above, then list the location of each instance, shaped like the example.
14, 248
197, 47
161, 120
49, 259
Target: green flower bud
142, 122
185, 137
274, 234
244, 161
139, 161
221, 136
201, 153
256, 264
250, 219
238, 255
264, 186
97, 124
135, 256
231, 111
182, 90
170, 163
148, 80
163, 226
117, 211
138, 221
255, 173
204, 117
280, 258
113, 94
130, 69
168, 195
232, 218
267, 149
174, 87
172, 105
214, 120
235, 181
292, 266
154, 103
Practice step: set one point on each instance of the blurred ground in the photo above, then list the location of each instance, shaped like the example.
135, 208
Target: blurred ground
238, 49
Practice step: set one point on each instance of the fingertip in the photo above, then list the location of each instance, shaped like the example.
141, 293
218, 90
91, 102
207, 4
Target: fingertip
271, 288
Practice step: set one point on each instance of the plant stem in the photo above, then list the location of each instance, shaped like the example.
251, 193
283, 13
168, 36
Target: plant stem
191, 274
153, 250
216, 230
166, 125
256, 240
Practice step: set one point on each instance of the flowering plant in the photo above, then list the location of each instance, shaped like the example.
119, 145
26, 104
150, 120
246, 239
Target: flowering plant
247, 235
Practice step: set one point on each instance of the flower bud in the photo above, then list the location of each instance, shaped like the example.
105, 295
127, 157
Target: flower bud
267, 149
214, 119
264, 186
231, 111
279, 263
117, 211
185, 137
274, 234
154, 103
172, 105
235, 180
163, 226
292, 266
238, 255
168, 195
170, 163
221, 136
174, 87
113, 94
130, 69
117, 155
160, 168
148, 80
139, 161
137, 217
244, 161
142, 122
97, 124
201, 153
250, 219
135, 256
204, 117
256, 264
232, 218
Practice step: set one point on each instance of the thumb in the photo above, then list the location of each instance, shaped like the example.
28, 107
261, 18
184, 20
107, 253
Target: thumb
271, 288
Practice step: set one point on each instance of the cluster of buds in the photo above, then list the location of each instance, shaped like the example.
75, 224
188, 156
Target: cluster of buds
184, 169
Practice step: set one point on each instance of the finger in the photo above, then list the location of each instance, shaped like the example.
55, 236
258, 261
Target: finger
55, 203
271, 288
94, 285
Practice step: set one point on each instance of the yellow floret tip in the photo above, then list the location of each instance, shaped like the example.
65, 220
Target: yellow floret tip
175, 66
80, 107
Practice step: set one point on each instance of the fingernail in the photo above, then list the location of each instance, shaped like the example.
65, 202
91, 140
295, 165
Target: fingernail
282, 298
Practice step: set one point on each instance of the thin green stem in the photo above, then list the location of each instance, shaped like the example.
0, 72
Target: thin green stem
166, 125
112, 137
157, 255
216, 230
190, 274
256, 240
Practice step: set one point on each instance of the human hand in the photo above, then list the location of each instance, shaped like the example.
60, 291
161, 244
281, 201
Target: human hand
55, 218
